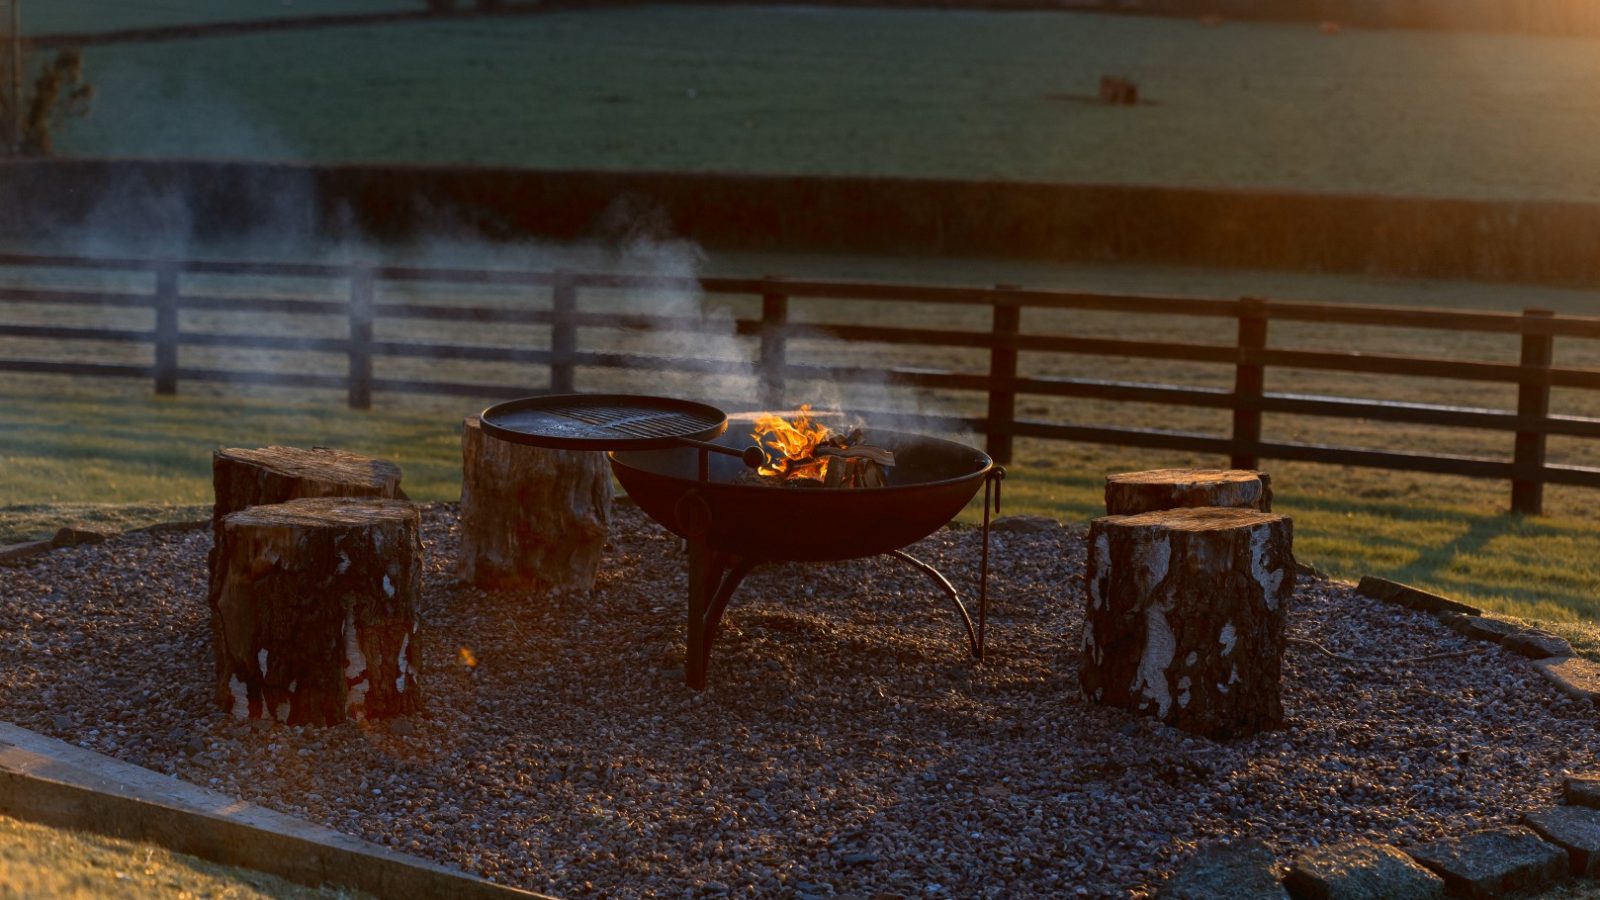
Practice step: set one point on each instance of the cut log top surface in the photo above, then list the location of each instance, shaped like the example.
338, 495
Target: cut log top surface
1196, 518
318, 465
1185, 476
324, 512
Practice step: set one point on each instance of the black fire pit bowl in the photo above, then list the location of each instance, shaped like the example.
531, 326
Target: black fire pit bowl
931, 482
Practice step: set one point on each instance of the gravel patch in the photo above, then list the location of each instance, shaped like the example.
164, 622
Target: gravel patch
846, 744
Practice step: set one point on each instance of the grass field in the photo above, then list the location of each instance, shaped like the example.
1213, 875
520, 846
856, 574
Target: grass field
876, 92
74, 442
38, 862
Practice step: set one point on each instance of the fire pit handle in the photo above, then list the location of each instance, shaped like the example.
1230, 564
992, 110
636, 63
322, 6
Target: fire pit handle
752, 456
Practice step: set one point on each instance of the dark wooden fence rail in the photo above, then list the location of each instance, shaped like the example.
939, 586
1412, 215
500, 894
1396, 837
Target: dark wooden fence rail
1251, 355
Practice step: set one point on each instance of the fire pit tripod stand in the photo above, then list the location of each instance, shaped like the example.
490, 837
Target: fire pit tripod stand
677, 461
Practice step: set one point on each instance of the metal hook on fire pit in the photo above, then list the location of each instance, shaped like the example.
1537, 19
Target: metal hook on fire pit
991, 484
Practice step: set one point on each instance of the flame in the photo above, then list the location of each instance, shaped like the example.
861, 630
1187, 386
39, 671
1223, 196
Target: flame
792, 444
467, 658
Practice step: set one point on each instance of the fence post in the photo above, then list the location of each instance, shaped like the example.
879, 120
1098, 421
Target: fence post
563, 333
166, 303
361, 295
1249, 383
1002, 375
774, 345
1533, 402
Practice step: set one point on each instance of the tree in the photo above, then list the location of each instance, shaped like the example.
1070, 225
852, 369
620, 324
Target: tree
58, 92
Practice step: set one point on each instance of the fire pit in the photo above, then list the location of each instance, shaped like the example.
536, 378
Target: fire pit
679, 462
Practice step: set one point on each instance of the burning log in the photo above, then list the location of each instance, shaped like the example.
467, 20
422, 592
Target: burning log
1185, 617
314, 611
531, 517
806, 453
1131, 493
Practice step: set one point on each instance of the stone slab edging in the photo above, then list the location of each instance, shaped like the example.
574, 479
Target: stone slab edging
1551, 655
55, 783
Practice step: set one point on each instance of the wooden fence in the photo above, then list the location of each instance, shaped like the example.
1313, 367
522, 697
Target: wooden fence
1250, 355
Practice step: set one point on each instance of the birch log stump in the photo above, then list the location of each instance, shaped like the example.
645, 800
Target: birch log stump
1185, 617
314, 611
531, 518
1132, 493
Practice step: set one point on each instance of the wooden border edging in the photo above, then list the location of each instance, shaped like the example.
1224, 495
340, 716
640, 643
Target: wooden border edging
55, 783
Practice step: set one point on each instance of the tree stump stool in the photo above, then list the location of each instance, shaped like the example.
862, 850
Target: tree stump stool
1132, 493
531, 518
1185, 617
242, 478
314, 610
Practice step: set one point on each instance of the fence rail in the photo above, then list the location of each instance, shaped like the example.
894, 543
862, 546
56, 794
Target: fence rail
1250, 355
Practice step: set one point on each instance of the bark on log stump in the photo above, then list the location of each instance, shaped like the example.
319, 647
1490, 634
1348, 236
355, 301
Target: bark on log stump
1132, 493
1185, 617
531, 518
314, 611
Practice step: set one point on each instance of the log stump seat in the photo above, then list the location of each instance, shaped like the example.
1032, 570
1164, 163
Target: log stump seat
1131, 493
245, 477
314, 610
532, 518
1185, 617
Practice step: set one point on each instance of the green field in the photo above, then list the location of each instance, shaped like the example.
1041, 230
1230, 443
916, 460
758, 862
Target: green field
877, 92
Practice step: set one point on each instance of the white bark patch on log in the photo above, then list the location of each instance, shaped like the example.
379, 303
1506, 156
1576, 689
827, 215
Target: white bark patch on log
241, 698
1183, 692
388, 586
355, 667
1153, 560
282, 713
1102, 571
1270, 581
1159, 647
400, 680
344, 563
1191, 659
261, 662
1228, 638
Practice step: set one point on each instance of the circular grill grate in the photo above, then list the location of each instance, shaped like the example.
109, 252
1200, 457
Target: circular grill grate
603, 421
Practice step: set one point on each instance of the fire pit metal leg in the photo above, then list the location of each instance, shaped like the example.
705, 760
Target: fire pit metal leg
713, 577
950, 590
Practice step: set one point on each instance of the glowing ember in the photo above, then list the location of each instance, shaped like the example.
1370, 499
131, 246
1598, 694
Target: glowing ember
805, 451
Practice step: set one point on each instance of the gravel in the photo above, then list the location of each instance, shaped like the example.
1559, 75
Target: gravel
846, 745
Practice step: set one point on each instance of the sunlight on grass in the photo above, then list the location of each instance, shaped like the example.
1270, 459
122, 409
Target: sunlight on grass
69, 448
